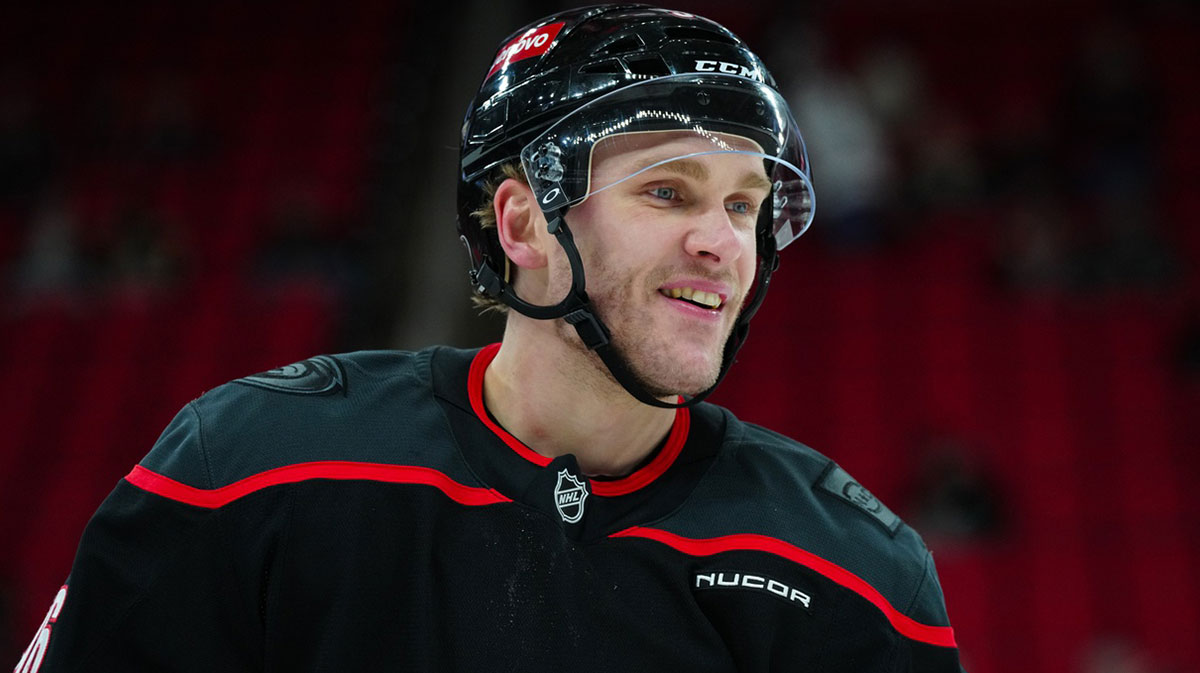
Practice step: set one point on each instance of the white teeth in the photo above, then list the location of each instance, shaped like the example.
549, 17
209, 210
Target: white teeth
709, 299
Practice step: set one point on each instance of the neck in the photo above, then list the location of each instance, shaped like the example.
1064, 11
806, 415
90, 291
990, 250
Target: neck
558, 399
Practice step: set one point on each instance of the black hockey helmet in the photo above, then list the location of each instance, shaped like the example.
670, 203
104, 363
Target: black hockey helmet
565, 83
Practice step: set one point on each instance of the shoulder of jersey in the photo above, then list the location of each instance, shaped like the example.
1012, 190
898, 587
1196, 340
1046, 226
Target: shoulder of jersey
366, 407
796, 467
766, 483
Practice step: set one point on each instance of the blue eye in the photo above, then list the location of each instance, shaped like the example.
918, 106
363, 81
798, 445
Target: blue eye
740, 207
665, 193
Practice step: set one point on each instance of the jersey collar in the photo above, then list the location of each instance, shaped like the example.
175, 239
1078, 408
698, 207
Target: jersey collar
615, 487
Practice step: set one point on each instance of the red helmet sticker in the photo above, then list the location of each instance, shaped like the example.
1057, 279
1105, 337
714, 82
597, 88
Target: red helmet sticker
533, 42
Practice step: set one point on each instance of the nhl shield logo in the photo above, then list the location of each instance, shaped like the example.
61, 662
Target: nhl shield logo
569, 494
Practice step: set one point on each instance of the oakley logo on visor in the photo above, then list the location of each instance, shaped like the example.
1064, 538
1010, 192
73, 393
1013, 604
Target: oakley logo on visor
551, 196
533, 42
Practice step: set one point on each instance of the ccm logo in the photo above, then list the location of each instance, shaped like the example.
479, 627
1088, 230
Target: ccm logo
731, 580
727, 68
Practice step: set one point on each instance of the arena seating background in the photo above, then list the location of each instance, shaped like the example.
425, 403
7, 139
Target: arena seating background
196, 191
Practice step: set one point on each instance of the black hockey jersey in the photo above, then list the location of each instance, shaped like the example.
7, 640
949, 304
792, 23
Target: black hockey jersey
364, 512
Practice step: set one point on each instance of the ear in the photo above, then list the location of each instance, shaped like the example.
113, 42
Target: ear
520, 224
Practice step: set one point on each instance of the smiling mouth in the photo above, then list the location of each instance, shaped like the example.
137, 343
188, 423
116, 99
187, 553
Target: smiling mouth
707, 300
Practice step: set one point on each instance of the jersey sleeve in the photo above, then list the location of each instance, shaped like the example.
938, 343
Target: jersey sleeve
929, 607
161, 584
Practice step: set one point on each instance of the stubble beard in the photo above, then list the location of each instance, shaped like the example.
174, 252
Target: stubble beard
646, 355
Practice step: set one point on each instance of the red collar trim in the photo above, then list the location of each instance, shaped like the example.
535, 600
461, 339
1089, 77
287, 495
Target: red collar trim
625, 485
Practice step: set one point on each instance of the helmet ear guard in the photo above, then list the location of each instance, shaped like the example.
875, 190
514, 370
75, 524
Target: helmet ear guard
572, 80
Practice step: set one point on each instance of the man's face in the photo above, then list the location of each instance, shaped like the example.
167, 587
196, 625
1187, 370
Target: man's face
682, 229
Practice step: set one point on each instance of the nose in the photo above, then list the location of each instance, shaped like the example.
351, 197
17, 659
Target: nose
712, 235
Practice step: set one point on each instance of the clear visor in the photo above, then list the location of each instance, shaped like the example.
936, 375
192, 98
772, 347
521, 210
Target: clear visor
724, 131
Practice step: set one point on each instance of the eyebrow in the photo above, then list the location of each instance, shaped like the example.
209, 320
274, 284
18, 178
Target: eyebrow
690, 168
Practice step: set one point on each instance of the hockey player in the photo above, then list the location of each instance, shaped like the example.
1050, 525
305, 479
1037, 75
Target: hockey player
564, 500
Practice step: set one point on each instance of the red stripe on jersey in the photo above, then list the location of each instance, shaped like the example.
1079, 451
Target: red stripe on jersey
651, 471
330, 469
934, 635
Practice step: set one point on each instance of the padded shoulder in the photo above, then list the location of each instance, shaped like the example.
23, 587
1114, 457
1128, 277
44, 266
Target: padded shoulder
764, 483
832, 485
369, 407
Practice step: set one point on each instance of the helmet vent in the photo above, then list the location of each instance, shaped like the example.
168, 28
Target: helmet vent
620, 46
648, 64
696, 33
609, 66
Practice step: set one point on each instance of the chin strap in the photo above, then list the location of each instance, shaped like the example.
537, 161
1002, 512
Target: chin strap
576, 309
